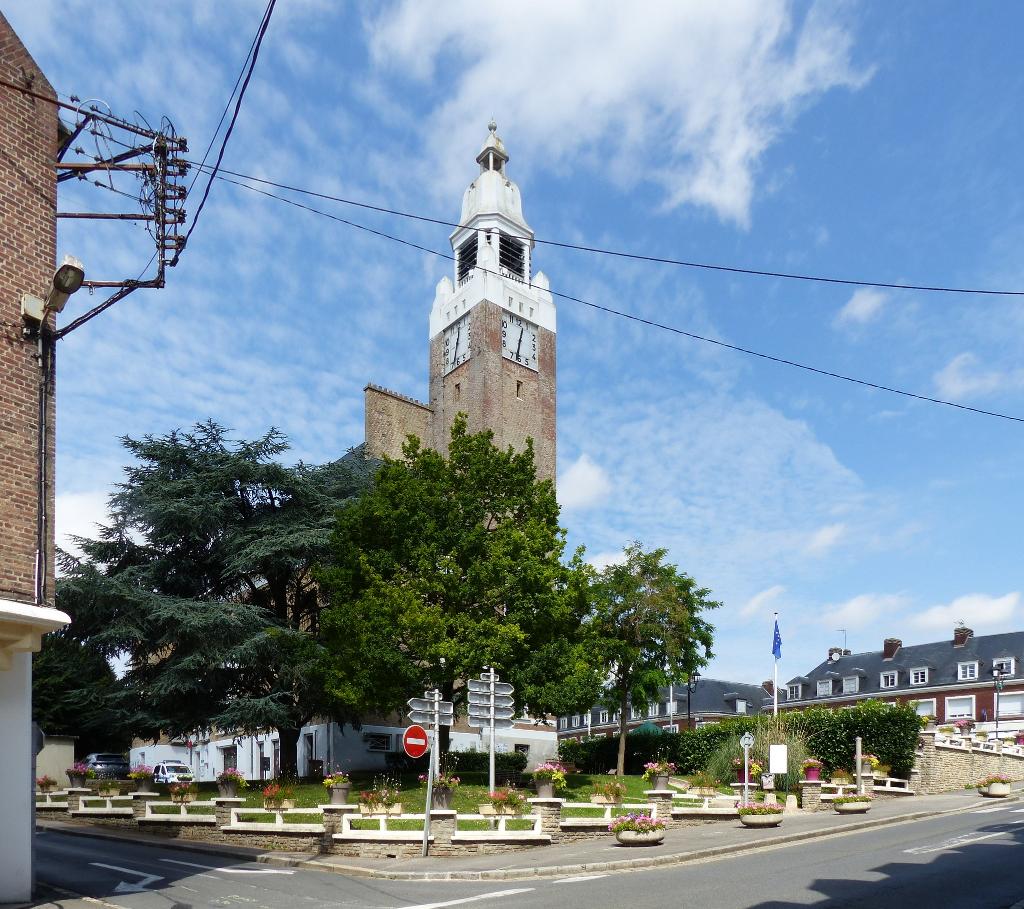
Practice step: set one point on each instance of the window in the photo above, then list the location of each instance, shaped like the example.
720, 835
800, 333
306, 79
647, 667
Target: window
741, 705
635, 713
1011, 704
673, 707
563, 722
794, 692
653, 709
375, 741
967, 671
521, 749
824, 688
851, 684
960, 708
604, 716
890, 679
918, 676
1003, 667
925, 708
230, 756
511, 256
577, 720
519, 389
467, 258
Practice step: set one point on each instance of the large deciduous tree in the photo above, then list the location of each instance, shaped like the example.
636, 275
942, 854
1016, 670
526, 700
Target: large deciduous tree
447, 566
649, 619
203, 581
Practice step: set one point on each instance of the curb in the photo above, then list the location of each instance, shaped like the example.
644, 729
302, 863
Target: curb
305, 861
546, 871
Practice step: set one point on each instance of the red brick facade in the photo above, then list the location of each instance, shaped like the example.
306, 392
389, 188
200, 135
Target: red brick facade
28, 201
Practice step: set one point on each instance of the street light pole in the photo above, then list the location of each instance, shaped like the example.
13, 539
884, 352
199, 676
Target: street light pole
691, 686
998, 687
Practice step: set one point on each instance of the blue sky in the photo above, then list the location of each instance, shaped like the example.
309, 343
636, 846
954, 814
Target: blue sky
876, 141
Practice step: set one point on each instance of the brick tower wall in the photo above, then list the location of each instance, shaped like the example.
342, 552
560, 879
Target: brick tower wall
28, 203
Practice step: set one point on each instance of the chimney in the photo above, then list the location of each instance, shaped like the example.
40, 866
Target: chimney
961, 634
769, 686
889, 647
836, 652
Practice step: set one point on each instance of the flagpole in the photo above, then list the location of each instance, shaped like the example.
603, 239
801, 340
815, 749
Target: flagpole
775, 686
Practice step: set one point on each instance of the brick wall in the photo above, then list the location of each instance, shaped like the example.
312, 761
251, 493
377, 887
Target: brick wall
390, 418
28, 199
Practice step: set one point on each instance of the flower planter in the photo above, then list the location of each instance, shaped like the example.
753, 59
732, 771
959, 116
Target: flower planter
278, 804
760, 820
145, 785
441, 799
110, 791
638, 838
812, 774
545, 789
852, 808
339, 794
489, 810
76, 780
182, 799
390, 810
996, 790
660, 781
228, 789
604, 800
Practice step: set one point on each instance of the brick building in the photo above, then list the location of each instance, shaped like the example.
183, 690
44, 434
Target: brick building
28, 202
492, 334
950, 680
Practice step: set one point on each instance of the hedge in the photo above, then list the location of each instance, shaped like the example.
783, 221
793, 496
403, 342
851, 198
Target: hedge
888, 731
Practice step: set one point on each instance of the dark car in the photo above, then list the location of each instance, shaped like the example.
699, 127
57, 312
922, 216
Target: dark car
108, 766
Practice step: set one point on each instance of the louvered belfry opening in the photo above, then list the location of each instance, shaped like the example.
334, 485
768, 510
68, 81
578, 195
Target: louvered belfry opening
512, 256
467, 258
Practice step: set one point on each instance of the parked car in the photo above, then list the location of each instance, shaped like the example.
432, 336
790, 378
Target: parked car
172, 772
108, 766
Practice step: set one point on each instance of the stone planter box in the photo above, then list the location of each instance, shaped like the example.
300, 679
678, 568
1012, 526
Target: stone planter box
227, 790
636, 838
852, 808
145, 785
278, 804
996, 790
660, 781
441, 799
545, 789
391, 811
489, 810
604, 800
760, 820
76, 780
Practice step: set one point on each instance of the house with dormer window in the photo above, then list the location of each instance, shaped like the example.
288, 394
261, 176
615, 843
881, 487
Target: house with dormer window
969, 677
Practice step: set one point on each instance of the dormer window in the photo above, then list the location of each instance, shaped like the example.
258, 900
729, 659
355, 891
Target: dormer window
1003, 666
794, 692
741, 705
851, 684
824, 688
967, 672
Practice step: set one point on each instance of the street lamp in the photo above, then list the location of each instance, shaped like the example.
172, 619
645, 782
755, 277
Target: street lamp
998, 675
691, 687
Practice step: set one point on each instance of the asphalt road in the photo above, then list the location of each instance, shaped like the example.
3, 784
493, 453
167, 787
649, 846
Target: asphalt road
966, 861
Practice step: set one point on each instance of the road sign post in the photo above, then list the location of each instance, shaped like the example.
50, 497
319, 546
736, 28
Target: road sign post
490, 707
427, 713
746, 742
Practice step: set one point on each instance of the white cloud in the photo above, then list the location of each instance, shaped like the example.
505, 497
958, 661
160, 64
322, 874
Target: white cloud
824, 538
865, 304
979, 611
78, 514
686, 96
601, 560
584, 485
861, 611
964, 377
759, 601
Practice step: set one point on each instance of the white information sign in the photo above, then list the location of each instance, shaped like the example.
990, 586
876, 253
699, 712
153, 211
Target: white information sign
778, 758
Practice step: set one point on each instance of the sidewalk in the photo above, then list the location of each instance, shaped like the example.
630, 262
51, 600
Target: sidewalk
588, 856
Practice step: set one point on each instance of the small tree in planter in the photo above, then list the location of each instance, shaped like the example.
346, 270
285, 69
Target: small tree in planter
637, 830
142, 774
338, 785
608, 793
278, 796
507, 800
46, 783
548, 777
812, 769
444, 786
78, 773
230, 782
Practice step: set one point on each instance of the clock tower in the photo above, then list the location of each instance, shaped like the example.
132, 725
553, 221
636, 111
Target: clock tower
492, 325
492, 334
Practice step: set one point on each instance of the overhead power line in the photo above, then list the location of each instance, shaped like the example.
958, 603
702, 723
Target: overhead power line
782, 361
621, 254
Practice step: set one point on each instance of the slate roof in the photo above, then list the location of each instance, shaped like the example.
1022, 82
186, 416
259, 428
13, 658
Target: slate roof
941, 659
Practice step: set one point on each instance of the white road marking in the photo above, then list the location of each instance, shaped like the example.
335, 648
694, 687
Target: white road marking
228, 870
471, 899
995, 809
124, 886
579, 877
954, 843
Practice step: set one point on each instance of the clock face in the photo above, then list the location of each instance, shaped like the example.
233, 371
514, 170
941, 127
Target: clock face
518, 340
456, 344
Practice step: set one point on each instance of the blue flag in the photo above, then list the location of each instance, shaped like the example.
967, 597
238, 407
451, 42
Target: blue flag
777, 642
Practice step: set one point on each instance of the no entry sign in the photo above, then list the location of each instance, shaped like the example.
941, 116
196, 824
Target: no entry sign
415, 741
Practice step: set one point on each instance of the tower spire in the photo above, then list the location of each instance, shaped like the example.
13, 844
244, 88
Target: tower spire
493, 155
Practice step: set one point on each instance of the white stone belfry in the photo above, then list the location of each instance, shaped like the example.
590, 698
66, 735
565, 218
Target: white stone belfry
493, 249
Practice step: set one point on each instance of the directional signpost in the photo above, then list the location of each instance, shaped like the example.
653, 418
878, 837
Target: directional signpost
746, 742
431, 712
490, 707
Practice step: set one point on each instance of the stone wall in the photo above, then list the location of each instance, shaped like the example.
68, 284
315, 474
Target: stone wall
390, 418
945, 767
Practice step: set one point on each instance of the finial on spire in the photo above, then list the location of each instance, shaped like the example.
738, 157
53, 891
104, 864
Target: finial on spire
492, 126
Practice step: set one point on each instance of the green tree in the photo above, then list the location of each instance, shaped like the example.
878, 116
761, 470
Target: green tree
203, 580
447, 566
648, 619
